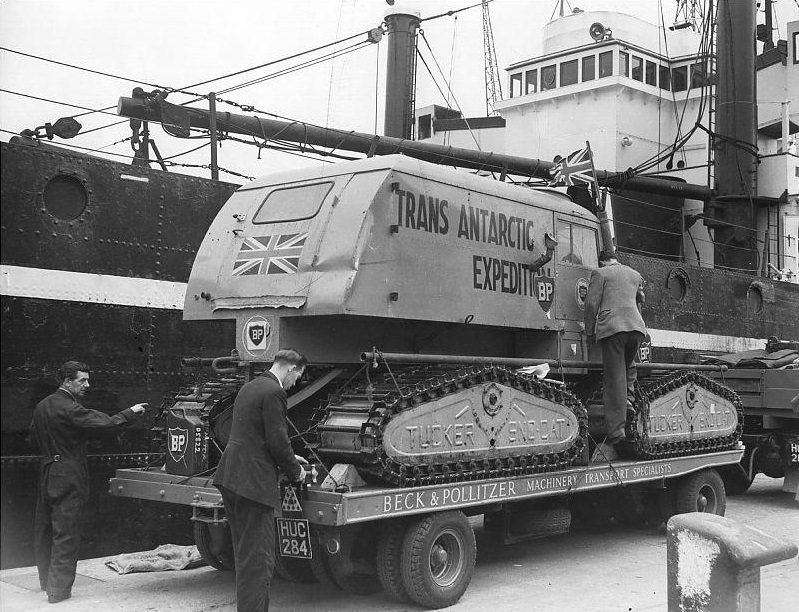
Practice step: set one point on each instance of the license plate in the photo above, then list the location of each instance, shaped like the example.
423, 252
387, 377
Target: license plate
294, 538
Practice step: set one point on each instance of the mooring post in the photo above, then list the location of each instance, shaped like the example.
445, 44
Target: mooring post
714, 563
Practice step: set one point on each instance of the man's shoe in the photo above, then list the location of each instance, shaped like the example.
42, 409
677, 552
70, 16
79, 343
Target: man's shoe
57, 597
604, 453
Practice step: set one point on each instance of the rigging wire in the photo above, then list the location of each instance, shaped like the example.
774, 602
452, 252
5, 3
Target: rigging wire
455, 12
458, 106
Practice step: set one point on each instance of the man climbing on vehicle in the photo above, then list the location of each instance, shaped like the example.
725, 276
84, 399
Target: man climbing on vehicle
613, 319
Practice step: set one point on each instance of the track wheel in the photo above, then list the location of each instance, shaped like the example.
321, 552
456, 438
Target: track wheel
389, 559
214, 544
702, 491
438, 557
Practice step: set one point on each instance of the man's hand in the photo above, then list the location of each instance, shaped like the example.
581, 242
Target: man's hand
139, 408
301, 477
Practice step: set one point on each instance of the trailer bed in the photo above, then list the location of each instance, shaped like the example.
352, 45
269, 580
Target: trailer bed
370, 503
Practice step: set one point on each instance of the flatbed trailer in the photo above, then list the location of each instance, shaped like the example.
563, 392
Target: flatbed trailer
416, 542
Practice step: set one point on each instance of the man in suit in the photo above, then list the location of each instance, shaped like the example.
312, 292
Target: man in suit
59, 430
613, 318
247, 475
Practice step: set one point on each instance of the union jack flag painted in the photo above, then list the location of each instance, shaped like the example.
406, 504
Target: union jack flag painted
577, 168
275, 254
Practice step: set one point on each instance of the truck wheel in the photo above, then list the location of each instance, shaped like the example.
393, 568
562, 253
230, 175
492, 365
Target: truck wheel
353, 567
389, 559
701, 491
320, 562
293, 570
438, 557
736, 480
214, 544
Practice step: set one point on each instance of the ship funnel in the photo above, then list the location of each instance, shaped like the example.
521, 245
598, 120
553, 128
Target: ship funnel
402, 31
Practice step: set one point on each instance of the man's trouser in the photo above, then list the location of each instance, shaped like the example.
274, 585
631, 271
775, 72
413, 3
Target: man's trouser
63, 491
252, 527
618, 369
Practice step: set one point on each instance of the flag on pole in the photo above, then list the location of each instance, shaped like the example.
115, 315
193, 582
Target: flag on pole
577, 169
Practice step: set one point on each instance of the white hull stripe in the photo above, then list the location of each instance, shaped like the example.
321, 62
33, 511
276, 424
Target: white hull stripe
45, 284
667, 338
17, 281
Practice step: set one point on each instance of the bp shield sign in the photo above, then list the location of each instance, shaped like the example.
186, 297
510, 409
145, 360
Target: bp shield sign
257, 335
545, 291
177, 437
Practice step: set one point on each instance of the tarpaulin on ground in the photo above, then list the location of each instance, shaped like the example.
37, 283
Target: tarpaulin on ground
166, 557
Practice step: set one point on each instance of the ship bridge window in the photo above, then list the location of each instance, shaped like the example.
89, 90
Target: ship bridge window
606, 64
589, 68
624, 63
425, 127
698, 79
65, 197
664, 78
516, 85
292, 203
577, 245
548, 77
568, 73
531, 81
651, 73
679, 78
637, 68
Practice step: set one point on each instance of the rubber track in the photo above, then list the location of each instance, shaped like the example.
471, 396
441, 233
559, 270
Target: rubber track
376, 465
645, 448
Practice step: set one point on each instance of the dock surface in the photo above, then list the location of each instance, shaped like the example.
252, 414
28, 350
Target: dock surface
610, 569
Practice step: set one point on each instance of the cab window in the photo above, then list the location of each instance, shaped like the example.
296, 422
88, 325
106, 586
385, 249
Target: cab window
577, 245
292, 203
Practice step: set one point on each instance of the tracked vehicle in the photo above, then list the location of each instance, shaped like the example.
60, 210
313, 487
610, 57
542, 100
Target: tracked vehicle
417, 413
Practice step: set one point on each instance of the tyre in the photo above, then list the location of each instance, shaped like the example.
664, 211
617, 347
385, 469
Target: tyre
294, 570
701, 491
736, 480
214, 544
353, 566
389, 559
438, 557
540, 522
320, 562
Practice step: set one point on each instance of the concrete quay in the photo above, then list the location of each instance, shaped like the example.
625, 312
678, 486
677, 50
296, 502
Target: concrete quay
613, 569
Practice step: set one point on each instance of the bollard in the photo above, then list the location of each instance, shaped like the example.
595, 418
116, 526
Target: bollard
714, 563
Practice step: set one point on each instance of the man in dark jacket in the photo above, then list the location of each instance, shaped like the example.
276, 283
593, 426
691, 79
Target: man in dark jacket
613, 318
246, 476
59, 429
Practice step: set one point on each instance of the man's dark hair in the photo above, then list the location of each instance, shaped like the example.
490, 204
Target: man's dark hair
291, 357
70, 370
606, 255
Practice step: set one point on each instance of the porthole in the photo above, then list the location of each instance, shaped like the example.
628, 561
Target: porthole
678, 283
65, 197
754, 299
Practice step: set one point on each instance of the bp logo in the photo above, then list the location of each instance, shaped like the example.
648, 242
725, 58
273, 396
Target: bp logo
581, 292
545, 291
176, 443
257, 335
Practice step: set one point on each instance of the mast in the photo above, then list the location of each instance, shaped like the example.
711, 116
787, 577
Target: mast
732, 212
